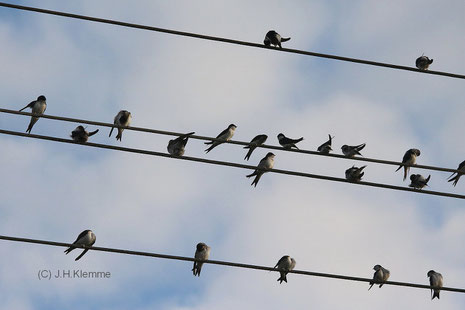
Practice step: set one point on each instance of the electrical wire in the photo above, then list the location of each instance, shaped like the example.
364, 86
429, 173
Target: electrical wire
231, 164
225, 40
225, 263
170, 133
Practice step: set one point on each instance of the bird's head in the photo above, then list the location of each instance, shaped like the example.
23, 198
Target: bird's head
377, 267
430, 273
232, 126
41, 98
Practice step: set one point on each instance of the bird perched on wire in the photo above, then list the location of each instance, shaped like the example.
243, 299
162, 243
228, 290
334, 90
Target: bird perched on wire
265, 164
288, 143
456, 178
176, 147
409, 159
81, 135
202, 252
355, 174
123, 118
87, 239
381, 275
224, 136
256, 142
418, 181
284, 265
274, 38
325, 148
351, 151
423, 62
435, 280
38, 108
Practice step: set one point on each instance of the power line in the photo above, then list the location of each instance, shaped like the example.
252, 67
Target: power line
170, 133
224, 263
231, 164
225, 40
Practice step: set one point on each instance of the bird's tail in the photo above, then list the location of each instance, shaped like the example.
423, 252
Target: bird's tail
210, 148
111, 131
249, 153
282, 278
399, 168
69, 250
406, 170
81, 255
285, 39
360, 147
31, 124
23, 108
120, 134
455, 179
187, 135
255, 181
93, 133
197, 268
371, 285
427, 179
435, 294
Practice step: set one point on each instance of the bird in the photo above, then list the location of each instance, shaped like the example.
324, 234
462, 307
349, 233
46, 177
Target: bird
381, 275
176, 147
273, 38
81, 135
123, 118
284, 265
225, 135
203, 253
456, 178
423, 62
288, 143
409, 159
435, 280
265, 164
325, 148
38, 108
351, 151
87, 239
355, 174
257, 141
419, 181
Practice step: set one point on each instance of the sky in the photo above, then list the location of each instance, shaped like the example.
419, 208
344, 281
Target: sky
53, 191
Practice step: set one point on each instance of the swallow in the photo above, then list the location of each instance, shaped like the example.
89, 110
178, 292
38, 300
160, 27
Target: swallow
457, 177
225, 135
256, 142
273, 38
418, 181
87, 239
435, 280
284, 265
80, 135
176, 147
423, 62
38, 108
123, 118
381, 275
325, 148
288, 143
351, 151
265, 164
355, 174
202, 253
409, 159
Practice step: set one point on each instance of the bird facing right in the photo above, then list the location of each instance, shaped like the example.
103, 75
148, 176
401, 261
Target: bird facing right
418, 181
224, 136
123, 118
256, 142
284, 265
351, 151
87, 238
265, 164
202, 252
409, 159
435, 280
38, 108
